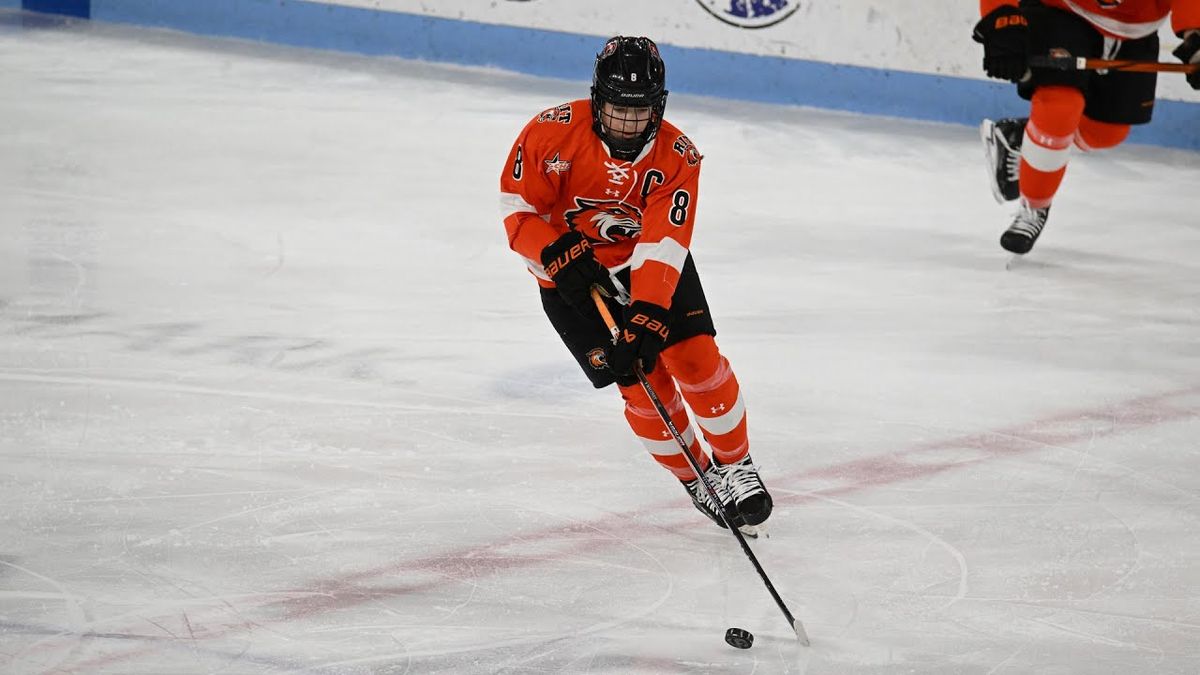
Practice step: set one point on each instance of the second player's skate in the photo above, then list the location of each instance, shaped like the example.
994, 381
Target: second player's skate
1026, 227
1002, 142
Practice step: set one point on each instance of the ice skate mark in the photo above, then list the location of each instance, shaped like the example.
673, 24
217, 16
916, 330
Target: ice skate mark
1051, 605
1016, 652
80, 273
275, 352
153, 498
279, 256
51, 324
541, 638
479, 566
148, 644
463, 566
75, 615
491, 559
469, 566
1126, 470
238, 514
160, 642
1092, 637
41, 378
1058, 431
1136, 563
949, 548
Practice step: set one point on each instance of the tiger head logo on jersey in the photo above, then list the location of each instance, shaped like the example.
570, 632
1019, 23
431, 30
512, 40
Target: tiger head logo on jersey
604, 220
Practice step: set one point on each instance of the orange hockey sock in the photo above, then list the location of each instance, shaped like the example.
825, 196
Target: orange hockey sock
712, 392
643, 418
1054, 119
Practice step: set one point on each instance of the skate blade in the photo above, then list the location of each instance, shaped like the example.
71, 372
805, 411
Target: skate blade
989, 153
754, 531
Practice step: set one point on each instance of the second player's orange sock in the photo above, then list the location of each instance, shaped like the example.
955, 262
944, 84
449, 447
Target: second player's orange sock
1054, 117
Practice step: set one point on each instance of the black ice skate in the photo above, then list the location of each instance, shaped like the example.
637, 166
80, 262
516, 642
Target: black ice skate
750, 496
704, 503
1026, 227
1002, 141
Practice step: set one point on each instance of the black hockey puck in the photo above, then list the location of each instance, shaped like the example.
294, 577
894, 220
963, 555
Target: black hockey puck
742, 639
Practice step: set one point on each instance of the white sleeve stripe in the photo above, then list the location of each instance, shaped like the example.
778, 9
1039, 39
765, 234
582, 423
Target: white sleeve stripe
668, 252
536, 268
513, 203
725, 422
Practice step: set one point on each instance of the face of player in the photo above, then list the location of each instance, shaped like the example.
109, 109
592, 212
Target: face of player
624, 123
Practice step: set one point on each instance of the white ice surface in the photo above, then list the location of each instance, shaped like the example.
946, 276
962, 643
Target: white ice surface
275, 397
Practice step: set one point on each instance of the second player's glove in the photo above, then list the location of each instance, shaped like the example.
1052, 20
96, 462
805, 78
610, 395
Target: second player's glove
1004, 34
642, 338
1189, 52
574, 269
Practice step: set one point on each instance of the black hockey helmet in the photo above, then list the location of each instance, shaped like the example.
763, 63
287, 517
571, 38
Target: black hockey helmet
629, 73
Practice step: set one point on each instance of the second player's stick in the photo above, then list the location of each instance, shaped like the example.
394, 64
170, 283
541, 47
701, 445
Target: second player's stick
1080, 63
797, 627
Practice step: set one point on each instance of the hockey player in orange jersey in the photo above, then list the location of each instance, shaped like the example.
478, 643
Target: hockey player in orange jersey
1089, 110
602, 192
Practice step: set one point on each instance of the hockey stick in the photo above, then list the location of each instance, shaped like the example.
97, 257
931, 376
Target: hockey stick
797, 627
1080, 63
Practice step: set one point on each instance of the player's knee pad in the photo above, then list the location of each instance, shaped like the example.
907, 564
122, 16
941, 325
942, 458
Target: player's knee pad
1057, 110
693, 360
1094, 135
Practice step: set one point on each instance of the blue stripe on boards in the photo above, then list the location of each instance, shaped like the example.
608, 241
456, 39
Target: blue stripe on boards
80, 8
367, 31
567, 55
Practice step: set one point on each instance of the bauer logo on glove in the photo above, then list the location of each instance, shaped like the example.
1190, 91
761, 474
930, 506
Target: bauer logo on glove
652, 325
563, 258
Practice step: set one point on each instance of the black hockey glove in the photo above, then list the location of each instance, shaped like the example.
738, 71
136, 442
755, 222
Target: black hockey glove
574, 269
642, 338
1004, 34
1189, 52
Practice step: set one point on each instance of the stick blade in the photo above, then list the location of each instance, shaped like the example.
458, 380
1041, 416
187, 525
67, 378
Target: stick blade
801, 634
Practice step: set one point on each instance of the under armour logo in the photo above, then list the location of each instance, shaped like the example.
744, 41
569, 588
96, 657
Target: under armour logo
718, 408
612, 193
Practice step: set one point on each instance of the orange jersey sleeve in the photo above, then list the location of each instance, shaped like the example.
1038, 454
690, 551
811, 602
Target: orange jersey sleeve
987, 6
668, 219
528, 195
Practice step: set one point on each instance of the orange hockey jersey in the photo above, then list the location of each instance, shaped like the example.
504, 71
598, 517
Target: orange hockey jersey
638, 214
1123, 19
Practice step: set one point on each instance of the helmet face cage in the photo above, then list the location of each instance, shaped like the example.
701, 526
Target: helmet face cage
630, 76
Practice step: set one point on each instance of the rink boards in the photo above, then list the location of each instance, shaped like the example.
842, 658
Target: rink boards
860, 56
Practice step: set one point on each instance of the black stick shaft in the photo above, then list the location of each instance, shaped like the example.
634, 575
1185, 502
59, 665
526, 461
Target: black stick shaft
795, 625
666, 418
